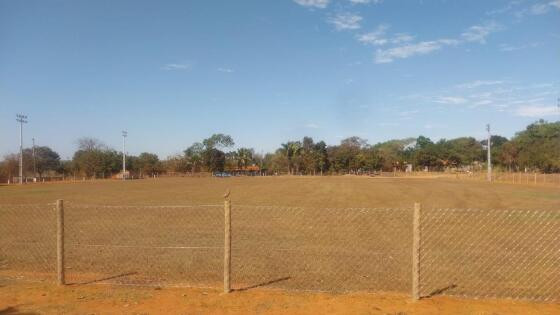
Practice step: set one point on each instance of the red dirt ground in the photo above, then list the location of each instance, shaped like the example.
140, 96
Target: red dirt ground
40, 298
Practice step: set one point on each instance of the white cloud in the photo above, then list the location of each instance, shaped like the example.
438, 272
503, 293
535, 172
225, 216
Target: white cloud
177, 66
226, 70
365, 1
478, 33
509, 48
405, 51
376, 37
402, 38
407, 113
320, 4
483, 102
312, 126
452, 100
536, 111
539, 8
346, 21
478, 83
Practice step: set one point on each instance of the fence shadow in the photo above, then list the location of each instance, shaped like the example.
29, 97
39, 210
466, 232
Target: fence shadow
13, 310
439, 291
262, 284
104, 279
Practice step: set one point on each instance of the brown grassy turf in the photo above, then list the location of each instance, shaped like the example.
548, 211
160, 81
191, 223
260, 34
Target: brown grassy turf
342, 191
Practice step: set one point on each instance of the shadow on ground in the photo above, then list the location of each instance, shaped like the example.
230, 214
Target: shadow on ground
262, 284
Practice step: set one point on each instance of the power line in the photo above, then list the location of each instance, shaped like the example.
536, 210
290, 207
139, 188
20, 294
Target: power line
22, 119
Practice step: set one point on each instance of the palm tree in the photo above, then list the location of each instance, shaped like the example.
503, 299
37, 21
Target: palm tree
244, 157
291, 149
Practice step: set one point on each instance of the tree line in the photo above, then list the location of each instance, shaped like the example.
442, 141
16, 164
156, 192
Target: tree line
537, 148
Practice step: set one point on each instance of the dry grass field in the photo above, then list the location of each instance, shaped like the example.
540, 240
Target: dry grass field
342, 192
306, 233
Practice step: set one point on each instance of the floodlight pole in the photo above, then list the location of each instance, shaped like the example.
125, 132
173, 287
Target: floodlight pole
34, 160
488, 148
22, 119
124, 134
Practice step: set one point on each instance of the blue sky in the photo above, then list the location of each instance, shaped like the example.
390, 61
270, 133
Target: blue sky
265, 72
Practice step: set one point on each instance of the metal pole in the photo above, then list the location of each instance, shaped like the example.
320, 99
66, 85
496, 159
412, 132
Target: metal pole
124, 134
60, 241
34, 161
227, 242
22, 119
21, 152
416, 252
489, 176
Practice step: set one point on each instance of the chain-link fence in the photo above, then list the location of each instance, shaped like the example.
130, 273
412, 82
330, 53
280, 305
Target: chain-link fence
472, 253
490, 253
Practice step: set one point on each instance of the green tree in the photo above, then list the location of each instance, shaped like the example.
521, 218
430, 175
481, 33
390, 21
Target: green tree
45, 160
538, 146
148, 163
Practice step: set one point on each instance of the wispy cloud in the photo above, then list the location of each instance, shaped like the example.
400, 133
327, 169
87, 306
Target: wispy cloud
365, 1
377, 37
408, 50
402, 38
312, 126
478, 33
537, 111
405, 49
346, 21
478, 83
177, 66
226, 70
509, 48
408, 113
537, 9
509, 7
320, 4
452, 100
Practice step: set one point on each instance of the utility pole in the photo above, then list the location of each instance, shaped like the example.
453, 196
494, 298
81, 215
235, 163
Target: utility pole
34, 160
124, 134
488, 148
21, 119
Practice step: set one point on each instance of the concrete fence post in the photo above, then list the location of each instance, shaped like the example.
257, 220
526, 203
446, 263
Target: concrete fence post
60, 241
227, 242
416, 252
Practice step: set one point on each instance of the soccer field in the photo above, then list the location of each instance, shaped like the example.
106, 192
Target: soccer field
331, 191
305, 233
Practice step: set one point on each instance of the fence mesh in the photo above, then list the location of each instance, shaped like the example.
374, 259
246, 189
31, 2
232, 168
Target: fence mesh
490, 253
28, 242
149, 245
472, 253
321, 249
